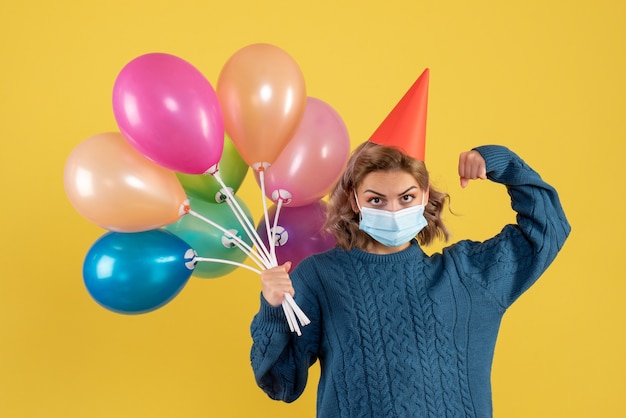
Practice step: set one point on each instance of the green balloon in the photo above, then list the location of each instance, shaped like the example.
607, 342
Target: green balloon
231, 168
209, 241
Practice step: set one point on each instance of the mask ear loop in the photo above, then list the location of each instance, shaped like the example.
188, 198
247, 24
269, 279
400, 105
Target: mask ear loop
356, 200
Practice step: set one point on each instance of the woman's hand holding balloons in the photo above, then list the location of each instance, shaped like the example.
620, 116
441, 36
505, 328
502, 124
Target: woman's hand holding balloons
275, 282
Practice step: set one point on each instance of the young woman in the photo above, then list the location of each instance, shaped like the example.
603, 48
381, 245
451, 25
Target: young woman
399, 333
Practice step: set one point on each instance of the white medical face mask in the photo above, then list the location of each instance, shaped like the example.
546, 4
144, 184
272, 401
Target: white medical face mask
392, 228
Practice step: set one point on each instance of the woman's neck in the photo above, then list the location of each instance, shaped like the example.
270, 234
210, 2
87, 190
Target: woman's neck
376, 247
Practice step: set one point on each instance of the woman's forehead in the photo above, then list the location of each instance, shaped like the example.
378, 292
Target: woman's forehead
388, 182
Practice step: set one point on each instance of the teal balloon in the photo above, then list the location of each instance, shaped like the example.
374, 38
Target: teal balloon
210, 242
135, 273
232, 170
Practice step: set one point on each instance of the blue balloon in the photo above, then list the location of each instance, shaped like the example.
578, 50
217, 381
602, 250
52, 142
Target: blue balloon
134, 273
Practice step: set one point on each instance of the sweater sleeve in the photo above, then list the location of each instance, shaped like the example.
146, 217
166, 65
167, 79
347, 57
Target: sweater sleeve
509, 263
280, 358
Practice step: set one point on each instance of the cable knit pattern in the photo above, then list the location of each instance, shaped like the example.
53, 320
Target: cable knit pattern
406, 334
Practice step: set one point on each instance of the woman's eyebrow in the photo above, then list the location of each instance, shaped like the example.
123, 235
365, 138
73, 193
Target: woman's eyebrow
382, 195
407, 190
373, 191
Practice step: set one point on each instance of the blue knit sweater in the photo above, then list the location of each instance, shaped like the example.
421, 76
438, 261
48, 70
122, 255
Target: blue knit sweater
406, 334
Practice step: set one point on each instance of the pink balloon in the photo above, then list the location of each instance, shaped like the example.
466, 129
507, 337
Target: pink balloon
313, 160
169, 112
295, 239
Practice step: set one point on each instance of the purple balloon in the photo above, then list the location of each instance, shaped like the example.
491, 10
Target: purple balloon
299, 232
169, 113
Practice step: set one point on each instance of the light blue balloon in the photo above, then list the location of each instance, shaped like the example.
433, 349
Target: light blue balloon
134, 273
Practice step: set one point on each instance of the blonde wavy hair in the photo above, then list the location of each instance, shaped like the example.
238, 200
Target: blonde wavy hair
341, 220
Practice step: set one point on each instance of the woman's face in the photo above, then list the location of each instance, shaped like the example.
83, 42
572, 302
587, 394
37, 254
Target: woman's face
390, 191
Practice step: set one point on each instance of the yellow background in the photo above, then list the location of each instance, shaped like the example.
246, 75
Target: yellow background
546, 78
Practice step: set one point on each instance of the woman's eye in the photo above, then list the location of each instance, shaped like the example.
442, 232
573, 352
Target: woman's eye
375, 201
407, 198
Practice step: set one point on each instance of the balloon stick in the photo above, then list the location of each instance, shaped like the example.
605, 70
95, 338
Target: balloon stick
263, 254
273, 237
234, 263
243, 220
304, 320
266, 216
290, 308
254, 256
291, 318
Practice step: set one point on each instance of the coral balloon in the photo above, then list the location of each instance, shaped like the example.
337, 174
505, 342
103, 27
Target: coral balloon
110, 184
299, 232
169, 112
313, 160
208, 241
232, 169
262, 94
139, 272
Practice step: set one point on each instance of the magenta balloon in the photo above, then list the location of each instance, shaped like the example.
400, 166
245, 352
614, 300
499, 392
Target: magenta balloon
296, 239
314, 158
169, 112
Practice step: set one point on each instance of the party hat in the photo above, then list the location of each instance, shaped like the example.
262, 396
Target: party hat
405, 126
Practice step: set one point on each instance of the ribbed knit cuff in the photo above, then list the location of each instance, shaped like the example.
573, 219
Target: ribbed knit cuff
496, 157
271, 318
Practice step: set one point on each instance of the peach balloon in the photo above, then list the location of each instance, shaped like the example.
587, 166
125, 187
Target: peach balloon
262, 94
110, 184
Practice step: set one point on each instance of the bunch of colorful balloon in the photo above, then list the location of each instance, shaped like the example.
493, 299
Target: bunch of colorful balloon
165, 185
